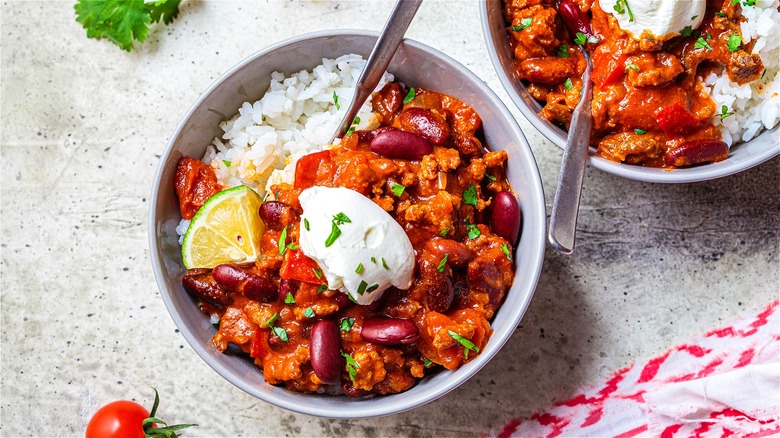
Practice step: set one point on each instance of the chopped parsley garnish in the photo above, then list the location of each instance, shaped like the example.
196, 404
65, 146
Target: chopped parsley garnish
317, 273
467, 345
735, 40
639, 131
720, 14
355, 122
409, 96
444, 232
443, 262
335, 231
694, 17
227, 163
306, 224
580, 39
472, 229
398, 189
362, 287
384, 264
490, 178
271, 320
724, 112
281, 333
686, 31
525, 22
470, 195
352, 366
505, 250
701, 43
427, 362
346, 324
289, 299
359, 269
632, 66
336, 100
563, 51
621, 7
568, 84
282, 239
309, 312
322, 288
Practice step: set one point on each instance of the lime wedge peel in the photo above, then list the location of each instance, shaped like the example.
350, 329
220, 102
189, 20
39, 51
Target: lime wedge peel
226, 229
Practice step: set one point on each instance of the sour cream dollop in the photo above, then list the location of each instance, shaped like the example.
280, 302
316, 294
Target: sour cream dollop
664, 19
371, 251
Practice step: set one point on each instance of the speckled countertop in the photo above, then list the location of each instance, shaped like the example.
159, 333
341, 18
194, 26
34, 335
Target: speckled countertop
84, 124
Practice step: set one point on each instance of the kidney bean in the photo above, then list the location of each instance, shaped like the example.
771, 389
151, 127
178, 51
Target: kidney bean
201, 284
389, 331
696, 152
251, 285
483, 275
394, 143
505, 219
459, 254
574, 19
549, 70
350, 391
468, 145
325, 349
439, 292
388, 101
426, 123
287, 287
277, 215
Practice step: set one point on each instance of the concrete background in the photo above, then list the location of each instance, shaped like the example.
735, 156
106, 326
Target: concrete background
83, 126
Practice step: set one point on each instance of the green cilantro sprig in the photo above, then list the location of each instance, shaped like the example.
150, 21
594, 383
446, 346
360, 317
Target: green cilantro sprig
467, 345
122, 21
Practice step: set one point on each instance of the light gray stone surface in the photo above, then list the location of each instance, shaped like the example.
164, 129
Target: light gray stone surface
83, 126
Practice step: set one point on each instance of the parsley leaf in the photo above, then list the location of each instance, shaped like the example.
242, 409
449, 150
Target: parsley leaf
735, 40
398, 189
409, 96
346, 324
701, 43
336, 101
443, 262
352, 366
563, 51
525, 22
505, 250
568, 84
281, 333
309, 312
289, 299
580, 39
122, 21
467, 345
470, 195
686, 31
724, 112
639, 131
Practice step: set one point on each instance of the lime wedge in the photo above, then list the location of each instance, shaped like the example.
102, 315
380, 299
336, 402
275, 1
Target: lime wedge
226, 229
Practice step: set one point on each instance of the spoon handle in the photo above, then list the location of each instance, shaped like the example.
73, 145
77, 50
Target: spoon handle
380, 57
563, 219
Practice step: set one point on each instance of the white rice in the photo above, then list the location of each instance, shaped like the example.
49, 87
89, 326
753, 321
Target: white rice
296, 116
756, 105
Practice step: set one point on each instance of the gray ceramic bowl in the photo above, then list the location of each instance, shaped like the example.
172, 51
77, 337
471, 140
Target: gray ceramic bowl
741, 156
416, 65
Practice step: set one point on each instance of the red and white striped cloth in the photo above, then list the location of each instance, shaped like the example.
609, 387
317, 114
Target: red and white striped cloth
726, 383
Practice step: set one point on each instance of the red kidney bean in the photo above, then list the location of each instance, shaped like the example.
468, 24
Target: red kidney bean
548, 70
201, 284
505, 219
350, 391
426, 123
468, 145
696, 152
574, 19
439, 292
394, 143
389, 331
459, 254
325, 349
483, 275
388, 101
277, 215
251, 285
287, 287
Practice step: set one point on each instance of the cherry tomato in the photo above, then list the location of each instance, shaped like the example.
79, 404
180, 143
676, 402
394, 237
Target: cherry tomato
119, 419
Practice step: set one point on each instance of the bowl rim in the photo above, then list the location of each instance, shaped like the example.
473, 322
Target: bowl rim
639, 173
403, 401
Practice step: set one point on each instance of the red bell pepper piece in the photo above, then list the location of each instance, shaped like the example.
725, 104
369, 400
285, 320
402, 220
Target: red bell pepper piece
306, 169
296, 266
609, 68
260, 347
675, 120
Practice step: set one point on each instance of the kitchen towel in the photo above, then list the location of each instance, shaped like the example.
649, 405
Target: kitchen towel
725, 383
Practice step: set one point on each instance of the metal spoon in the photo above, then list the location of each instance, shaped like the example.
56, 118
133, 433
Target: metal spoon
563, 220
380, 57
